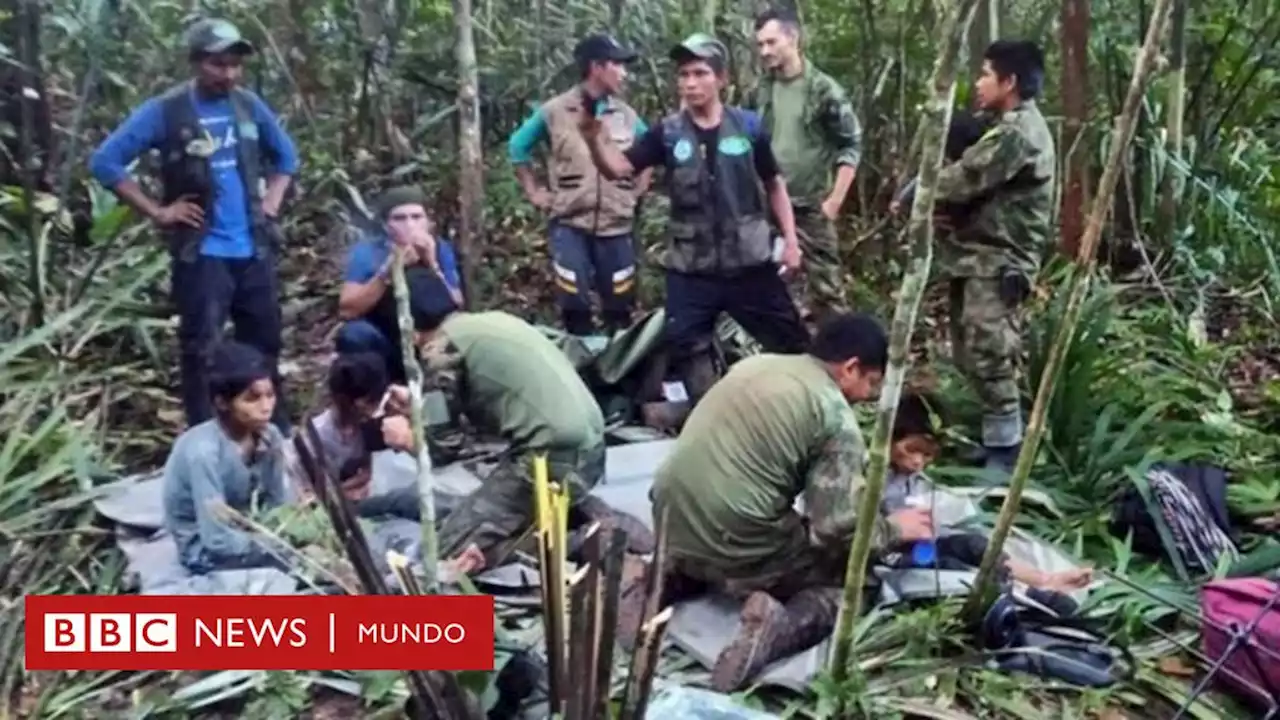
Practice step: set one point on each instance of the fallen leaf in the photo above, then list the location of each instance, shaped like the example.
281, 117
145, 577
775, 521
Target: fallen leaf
1175, 666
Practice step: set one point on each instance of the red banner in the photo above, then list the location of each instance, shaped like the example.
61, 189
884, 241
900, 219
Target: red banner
260, 632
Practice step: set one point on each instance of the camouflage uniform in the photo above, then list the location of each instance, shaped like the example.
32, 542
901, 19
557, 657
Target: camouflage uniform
991, 258
511, 381
810, 138
775, 426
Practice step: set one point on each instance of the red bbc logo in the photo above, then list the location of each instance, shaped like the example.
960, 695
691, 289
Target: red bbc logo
110, 632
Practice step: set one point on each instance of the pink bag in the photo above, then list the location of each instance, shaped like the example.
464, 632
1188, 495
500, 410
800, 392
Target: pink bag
1251, 607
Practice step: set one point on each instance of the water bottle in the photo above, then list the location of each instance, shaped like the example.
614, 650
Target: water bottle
924, 554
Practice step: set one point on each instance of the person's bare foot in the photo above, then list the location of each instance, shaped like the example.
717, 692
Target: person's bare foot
1067, 580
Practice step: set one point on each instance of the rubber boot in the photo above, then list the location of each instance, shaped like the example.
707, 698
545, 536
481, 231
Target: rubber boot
1000, 462
640, 539
771, 631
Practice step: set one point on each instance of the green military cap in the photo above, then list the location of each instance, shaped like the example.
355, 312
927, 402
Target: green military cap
701, 46
211, 36
397, 196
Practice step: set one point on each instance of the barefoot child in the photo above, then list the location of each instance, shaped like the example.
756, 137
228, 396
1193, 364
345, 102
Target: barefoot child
915, 446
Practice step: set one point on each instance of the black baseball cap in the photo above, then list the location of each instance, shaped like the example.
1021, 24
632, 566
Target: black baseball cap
602, 47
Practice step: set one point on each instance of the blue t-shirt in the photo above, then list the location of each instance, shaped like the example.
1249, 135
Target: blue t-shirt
230, 232
367, 256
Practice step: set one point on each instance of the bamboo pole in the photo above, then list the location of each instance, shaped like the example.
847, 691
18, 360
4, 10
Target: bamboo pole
413, 373
1120, 139
933, 128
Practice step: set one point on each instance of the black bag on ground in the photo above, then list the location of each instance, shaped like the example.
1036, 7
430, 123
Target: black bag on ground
1186, 503
1044, 636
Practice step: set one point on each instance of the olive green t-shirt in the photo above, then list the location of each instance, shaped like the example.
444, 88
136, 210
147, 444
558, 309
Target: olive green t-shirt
520, 386
804, 160
774, 428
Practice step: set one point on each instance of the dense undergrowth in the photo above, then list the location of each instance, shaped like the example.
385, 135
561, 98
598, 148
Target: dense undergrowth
1179, 360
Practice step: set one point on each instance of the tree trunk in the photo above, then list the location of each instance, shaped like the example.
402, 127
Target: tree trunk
24, 106
1083, 271
1171, 181
471, 170
1075, 103
933, 128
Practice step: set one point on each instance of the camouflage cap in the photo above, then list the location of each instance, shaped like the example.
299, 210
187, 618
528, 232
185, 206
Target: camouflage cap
211, 36
701, 46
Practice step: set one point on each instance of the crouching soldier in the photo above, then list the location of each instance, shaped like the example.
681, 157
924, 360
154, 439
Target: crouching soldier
774, 428
510, 381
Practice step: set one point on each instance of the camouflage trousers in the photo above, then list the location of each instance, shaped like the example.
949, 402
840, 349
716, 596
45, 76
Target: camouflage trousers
496, 515
819, 288
986, 344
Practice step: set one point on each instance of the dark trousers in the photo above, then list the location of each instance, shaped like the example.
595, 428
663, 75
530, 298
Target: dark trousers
209, 290
583, 262
757, 299
362, 336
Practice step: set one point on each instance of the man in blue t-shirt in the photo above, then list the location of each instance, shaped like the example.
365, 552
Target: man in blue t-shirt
225, 164
367, 300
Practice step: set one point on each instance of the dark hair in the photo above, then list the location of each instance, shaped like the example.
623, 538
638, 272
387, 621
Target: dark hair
429, 299
358, 376
965, 130
915, 416
354, 465
1020, 58
786, 17
233, 367
846, 336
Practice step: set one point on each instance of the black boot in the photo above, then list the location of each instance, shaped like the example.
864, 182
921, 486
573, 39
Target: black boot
1000, 462
772, 631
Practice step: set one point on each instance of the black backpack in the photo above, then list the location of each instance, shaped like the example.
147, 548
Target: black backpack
1179, 512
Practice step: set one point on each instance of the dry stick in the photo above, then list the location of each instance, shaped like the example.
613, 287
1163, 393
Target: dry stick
612, 561
1120, 139
640, 684
584, 671
413, 373
436, 694
933, 126
579, 644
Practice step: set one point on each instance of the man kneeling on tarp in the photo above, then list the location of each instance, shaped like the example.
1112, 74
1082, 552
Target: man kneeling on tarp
233, 460
774, 428
510, 381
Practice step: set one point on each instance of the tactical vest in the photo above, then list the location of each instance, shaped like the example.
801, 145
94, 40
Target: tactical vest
581, 197
184, 171
718, 223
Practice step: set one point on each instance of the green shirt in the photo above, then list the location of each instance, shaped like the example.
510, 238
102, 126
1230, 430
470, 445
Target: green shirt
774, 428
804, 158
510, 380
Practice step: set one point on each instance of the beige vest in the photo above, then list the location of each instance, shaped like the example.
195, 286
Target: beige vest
581, 197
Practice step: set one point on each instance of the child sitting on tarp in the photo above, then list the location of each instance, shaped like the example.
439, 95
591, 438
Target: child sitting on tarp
356, 424
231, 464
915, 446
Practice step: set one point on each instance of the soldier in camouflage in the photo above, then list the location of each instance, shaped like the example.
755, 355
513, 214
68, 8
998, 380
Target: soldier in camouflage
510, 381
814, 129
991, 255
775, 427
